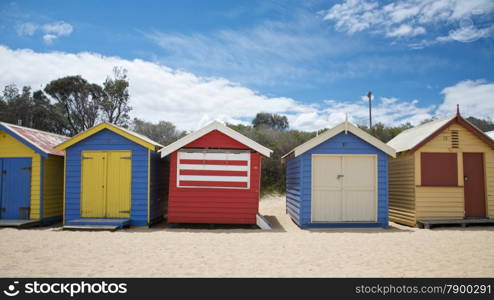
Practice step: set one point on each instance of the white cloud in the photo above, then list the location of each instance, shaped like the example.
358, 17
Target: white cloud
467, 34
58, 28
271, 53
51, 31
411, 18
475, 97
406, 30
189, 101
26, 29
49, 38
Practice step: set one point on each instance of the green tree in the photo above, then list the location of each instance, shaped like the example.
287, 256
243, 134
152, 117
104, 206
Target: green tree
17, 105
274, 121
162, 132
484, 125
383, 133
115, 103
281, 142
77, 100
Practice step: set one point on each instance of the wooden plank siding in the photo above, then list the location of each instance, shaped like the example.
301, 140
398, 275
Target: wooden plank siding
52, 186
410, 201
107, 140
293, 188
214, 205
344, 143
448, 203
11, 147
402, 189
158, 185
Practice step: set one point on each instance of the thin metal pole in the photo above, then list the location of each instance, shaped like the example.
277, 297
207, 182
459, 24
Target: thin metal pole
369, 95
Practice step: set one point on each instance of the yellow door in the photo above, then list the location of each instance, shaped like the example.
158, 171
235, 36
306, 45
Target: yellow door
93, 184
106, 180
118, 182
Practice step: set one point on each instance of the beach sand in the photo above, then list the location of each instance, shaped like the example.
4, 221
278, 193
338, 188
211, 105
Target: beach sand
285, 251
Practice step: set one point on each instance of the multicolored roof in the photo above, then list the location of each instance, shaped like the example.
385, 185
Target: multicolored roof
41, 140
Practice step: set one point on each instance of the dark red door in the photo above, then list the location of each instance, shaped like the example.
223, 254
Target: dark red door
473, 170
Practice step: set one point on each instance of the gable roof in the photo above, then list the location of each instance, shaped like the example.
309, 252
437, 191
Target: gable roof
409, 138
215, 125
342, 127
41, 142
414, 138
490, 134
131, 135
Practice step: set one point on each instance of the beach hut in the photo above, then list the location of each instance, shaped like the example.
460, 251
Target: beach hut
215, 177
31, 176
338, 179
443, 172
113, 178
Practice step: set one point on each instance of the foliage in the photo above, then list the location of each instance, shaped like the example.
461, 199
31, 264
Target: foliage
162, 132
281, 142
383, 133
274, 121
484, 125
115, 103
28, 109
79, 101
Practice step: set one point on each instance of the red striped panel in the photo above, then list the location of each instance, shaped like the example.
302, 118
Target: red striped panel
213, 162
212, 183
213, 172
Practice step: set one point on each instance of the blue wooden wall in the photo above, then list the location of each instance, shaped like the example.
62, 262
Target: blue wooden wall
108, 140
293, 188
340, 144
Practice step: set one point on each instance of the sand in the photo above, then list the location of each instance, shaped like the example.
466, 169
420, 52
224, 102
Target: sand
285, 251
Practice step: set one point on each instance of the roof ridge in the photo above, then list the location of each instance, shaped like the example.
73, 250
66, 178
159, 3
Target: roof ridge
33, 129
430, 122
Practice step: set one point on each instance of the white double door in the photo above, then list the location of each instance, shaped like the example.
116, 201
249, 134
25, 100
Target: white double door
344, 188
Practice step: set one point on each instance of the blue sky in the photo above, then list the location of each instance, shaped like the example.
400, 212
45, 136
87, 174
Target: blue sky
193, 61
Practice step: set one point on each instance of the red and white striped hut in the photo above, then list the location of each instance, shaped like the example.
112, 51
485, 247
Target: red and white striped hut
215, 177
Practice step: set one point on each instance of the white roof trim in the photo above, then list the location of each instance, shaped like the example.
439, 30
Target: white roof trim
343, 127
221, 128
410, 138
490, 134
137, 135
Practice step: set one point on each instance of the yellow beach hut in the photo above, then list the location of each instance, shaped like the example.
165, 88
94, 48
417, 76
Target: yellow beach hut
114, 178
443, 174
31, 176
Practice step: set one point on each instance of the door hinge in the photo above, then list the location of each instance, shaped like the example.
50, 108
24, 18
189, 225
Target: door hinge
124, 211
126, 157
84, 157
26, 168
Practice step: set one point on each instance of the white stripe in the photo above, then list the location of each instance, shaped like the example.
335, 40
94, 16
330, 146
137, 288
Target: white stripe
214, 156
213, 178
213, 167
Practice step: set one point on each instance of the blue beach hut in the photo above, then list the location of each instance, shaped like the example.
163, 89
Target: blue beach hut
338, 179
113, 178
